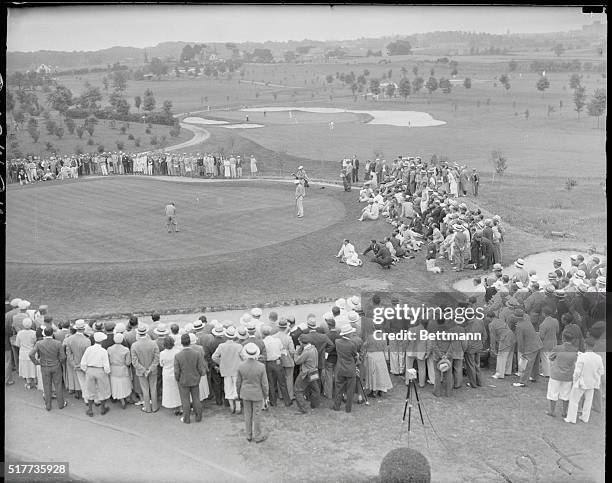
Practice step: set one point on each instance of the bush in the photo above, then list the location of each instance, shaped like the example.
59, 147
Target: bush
90, 142
100, 148
120, 145
78, 149
131, 137
49, 146
123, 129
174, 133
403, 465
137, 142
148, 130
153, 140
153, 118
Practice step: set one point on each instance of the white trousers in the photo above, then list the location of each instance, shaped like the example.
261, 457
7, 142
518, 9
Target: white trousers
575, 396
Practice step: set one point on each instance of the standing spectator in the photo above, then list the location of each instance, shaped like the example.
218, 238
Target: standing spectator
377, 379
475, 179
238, 167
274, 369
563, 360
48, 354
232, 161
549, 334
501, 344
528, 344
171, 397
188, 371
227, 356
25, 340
120, 375
355, 163
253, 166
145, 359
586, 378
96, 366
252, 388
76, 345
474, 326
10, 363
307, 386
347, 350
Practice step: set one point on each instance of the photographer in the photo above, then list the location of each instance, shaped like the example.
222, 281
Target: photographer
307, 382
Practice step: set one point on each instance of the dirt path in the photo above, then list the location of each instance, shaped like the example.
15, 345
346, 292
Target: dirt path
199, 136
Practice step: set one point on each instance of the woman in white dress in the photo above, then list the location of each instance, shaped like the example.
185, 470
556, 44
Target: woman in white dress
452, 180
171, 398
120, 375
253, 166
25, 340
227, 170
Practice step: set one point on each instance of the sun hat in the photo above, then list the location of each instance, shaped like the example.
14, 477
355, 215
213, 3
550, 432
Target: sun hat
99, 336
346, 329
118, 338
23, 305
230, 332
550, 289
520, 263
217, 330
256, 312
497, 267
356, 302
245, 318
161, 329
582, 288
119, 328
560, 293
142, 330
80, 324
340, 303
580, 274
311, 323
198, 325
251, 351
352, 316
15, 303
242, 333
250, 326
557, 261
282, 323
26, 323
444, 365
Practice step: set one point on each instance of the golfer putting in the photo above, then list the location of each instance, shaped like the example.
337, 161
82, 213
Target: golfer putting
171, 217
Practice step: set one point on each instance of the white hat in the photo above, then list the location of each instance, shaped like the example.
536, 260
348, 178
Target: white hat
340, 303
99, 336
23, 304
300, 167
346, 329
256, 312
245, 318
352, 316
15, 302
520, 263
580, 274
26, 323
251, 351
80, 324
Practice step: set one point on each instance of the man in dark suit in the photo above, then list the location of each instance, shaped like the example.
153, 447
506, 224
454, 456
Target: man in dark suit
346, 368
50, 358
355, 163
252, 387
188, 370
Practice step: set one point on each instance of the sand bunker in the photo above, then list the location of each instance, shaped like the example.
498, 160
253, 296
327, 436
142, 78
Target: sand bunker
242, 126
542, 263
389, 118
201, 120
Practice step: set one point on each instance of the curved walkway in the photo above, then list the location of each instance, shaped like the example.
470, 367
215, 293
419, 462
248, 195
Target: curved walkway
199, 136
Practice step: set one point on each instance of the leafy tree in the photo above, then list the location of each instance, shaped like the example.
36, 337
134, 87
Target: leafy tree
445, 85
148, 101
366, 72
575, 81
418, 83
390, 89
100, 148
579, 99
289, 56
119, 81
399, 47
70, 125
167, 108
90, 124
33, 129
59, 132
90, 97
157, 67
120, 145
542, 84
375, 86
137, 102
432, 84
505, 81
263, 56
499, 162
597, 104
404, 88
467, 83
80, 130
559, 49
60, 99
512, 65
50, 125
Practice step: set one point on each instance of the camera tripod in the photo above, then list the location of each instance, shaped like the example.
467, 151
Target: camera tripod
410, 390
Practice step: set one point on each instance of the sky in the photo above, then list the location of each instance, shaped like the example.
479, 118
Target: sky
70, 28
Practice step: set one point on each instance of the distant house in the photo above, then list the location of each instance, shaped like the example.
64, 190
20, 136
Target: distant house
44, 69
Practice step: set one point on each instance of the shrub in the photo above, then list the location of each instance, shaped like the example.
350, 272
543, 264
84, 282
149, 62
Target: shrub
49, 146
137, 142
123, 129
148, 130
131, 137
78, 149
120, 145
100, 148
570, 183
153, 141
174, 133
405, 465
90, 142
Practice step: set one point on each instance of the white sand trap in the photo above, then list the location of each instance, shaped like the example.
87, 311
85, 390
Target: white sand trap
243, 126
201, 120
542, 263
389, 118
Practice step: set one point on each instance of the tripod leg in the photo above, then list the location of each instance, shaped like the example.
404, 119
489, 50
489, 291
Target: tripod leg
406, 405
365, 397
409, 406
418, 403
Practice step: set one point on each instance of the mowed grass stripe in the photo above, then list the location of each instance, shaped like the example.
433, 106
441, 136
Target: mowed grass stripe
122, 219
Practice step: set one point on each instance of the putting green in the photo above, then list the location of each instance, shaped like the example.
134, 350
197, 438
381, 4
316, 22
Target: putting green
122, 219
